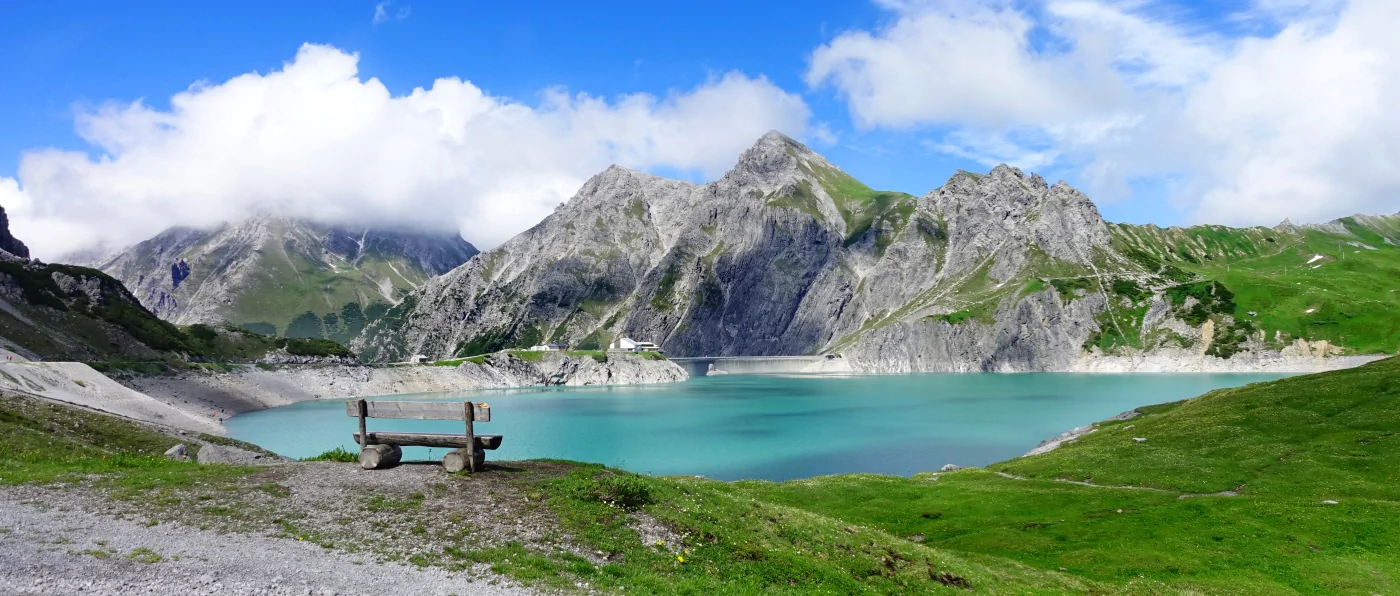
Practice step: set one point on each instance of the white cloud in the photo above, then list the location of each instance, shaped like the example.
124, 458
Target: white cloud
1302, 124
314, 140
382, 12
968, 65
1247, 130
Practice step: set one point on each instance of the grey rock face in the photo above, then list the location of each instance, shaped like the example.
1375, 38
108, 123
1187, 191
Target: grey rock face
1038, 332
8, 243
553, 368
785, 254
788, 255
268, 269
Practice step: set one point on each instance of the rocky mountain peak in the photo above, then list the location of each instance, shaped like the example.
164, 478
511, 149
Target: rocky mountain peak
268, 269
773, 160
1007, 211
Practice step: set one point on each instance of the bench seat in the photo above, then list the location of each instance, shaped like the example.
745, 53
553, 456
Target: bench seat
430, 440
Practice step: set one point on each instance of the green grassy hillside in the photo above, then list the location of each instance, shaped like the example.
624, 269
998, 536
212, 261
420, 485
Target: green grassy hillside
1230, 493
66, 312
1338, 282
294, 296
1286, 487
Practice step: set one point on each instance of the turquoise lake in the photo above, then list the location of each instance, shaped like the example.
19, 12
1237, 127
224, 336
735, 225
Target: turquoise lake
773, 427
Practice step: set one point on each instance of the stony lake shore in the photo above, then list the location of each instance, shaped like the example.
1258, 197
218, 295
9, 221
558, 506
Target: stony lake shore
200, 399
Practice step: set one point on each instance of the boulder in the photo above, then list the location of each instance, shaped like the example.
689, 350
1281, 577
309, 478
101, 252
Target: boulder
223, 454
178, 453
950, 468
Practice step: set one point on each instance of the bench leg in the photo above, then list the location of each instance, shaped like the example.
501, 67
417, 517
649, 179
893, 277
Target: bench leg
374, 457
456, 460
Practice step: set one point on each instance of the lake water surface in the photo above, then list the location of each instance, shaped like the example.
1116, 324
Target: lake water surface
773, 427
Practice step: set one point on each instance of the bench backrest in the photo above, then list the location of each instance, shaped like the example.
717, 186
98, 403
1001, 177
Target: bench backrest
420, 410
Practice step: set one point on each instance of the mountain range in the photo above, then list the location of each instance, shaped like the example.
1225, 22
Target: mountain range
786, 254
282, 276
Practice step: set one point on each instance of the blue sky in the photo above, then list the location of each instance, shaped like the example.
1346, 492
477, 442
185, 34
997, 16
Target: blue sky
1101, 93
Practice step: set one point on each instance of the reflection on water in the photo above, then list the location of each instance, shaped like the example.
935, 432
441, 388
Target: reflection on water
773, 427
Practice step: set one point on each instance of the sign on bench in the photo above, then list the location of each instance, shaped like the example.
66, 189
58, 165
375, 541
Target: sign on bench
382, 449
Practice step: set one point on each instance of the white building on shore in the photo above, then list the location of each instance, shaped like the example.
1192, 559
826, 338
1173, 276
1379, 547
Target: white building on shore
627, 344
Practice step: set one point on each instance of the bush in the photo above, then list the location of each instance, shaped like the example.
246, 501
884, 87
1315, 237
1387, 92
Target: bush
314, 347
142, 325
1068, 287
527, 355
597, 355
1129, 288
1147, 261
953, 318
628, 491
203, 333
339, 454
1212, 298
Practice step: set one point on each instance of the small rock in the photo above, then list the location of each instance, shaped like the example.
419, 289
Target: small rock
1329, 502
950, 468
1139, 440
178, 453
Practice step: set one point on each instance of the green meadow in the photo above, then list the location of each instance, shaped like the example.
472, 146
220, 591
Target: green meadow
1285, 487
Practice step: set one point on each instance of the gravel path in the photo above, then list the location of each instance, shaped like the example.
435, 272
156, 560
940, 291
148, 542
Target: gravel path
63, 551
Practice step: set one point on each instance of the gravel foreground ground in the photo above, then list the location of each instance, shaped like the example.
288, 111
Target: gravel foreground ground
58, 550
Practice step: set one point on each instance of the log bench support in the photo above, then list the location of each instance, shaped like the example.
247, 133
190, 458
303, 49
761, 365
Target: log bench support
382, 449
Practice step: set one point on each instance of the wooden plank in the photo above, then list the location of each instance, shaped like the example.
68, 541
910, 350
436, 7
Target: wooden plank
420, 410
430, 440
468, 416
360, 412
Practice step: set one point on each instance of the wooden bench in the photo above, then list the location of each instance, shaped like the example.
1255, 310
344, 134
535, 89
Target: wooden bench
382, 449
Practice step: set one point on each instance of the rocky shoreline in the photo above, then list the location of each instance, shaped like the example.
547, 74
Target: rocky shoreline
1302, 357
1249, 362
201, 399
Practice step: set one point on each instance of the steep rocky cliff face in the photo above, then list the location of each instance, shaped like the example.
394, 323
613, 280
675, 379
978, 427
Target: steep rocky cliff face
283, 276
786, 254
8, 243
